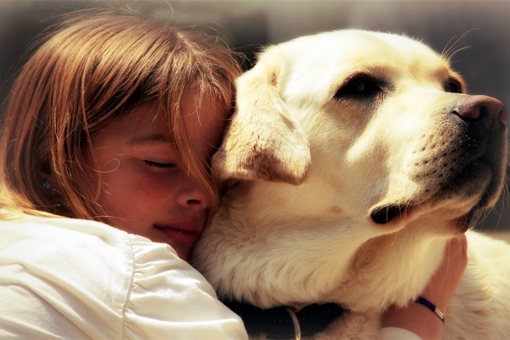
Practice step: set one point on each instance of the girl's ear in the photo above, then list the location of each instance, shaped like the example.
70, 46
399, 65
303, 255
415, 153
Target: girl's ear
263, 141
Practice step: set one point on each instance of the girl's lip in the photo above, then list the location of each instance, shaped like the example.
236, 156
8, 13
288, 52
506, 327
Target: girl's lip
182, 233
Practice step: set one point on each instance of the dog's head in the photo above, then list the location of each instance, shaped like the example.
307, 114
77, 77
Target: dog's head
381, 117
339, 138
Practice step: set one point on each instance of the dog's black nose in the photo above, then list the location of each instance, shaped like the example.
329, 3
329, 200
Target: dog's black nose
487, 110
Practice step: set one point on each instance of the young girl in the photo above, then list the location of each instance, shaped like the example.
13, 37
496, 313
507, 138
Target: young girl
105, 184
113, 119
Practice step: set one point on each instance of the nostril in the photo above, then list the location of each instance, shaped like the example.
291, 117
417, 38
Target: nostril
472, 114
480, 108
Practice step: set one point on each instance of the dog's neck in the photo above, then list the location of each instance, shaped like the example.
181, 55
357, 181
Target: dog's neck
386, 269
319, 271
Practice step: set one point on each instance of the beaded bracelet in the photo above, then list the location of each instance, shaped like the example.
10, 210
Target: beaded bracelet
430, 306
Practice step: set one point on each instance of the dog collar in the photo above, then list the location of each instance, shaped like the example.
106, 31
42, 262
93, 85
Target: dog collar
284, 322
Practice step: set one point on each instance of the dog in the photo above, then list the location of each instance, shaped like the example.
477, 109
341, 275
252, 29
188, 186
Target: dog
352, 157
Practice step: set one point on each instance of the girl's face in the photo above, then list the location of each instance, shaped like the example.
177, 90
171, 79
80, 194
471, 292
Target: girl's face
145, 187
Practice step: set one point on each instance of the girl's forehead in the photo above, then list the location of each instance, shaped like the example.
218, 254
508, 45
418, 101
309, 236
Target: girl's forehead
200, 111
142, 123
140, 126
203, 120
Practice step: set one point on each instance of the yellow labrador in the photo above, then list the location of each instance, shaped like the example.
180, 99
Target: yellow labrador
351, 158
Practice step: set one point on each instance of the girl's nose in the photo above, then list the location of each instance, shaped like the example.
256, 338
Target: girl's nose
191, 195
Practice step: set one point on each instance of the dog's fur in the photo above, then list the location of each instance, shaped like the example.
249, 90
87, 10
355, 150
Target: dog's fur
350, 160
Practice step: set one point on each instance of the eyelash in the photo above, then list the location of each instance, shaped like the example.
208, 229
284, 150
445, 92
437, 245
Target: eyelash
159, 165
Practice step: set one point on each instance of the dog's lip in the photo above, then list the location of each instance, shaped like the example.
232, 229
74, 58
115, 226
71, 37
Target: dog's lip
387, 213
466, 221
487, 192
392, 212
494, 187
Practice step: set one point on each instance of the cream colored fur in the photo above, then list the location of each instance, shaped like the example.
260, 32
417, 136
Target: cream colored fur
308, 166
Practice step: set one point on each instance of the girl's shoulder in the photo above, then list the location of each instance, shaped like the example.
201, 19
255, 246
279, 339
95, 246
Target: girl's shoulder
73, 276
58, 242
79, 278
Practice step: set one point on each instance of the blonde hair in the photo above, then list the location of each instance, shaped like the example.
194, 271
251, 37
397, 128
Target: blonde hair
93, 69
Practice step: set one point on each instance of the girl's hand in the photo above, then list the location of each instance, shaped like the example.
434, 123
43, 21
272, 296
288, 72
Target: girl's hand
443, 284
440, 291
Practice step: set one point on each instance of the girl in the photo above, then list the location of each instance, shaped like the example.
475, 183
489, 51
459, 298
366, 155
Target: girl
113, 119
105, 185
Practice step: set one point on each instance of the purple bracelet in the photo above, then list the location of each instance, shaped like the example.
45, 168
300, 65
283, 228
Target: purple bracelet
430, 306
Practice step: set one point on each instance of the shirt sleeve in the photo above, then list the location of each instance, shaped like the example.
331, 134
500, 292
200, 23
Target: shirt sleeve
394, 333
169, 299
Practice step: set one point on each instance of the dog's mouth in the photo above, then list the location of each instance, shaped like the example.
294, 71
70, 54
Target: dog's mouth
387, 213
393, 213
482, 178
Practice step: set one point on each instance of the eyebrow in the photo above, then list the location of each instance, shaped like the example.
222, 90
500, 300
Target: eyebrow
149, 139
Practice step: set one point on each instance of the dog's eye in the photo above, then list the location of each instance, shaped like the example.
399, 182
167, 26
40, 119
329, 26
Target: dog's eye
359, 87
453, 87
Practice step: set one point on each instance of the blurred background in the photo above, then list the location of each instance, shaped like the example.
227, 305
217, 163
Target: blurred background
481, 29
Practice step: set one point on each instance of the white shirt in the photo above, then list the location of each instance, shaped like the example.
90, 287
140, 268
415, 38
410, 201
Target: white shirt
77, 279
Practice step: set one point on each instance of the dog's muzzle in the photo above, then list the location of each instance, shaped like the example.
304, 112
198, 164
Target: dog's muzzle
482, 143
465, 157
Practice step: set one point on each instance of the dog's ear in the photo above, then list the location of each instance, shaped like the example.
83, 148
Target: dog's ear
263, 141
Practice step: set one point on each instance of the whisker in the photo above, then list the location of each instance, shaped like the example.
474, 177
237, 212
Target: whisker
451, 46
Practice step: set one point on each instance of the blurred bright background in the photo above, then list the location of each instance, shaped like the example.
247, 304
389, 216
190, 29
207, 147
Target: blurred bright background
480, 28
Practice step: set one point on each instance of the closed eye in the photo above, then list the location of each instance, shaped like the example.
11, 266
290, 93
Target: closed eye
360, 87
159, 165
